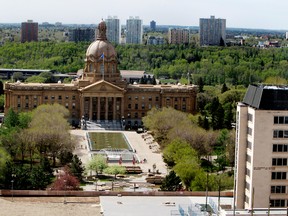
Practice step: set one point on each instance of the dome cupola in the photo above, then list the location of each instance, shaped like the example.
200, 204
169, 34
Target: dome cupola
101, 58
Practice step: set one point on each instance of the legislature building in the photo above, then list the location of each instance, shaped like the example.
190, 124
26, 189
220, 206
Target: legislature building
101, 94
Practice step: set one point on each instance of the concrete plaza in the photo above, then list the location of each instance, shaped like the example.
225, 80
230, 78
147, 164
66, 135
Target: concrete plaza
144, 145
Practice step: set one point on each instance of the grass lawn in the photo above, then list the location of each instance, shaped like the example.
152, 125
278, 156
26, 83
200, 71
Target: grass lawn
104, 140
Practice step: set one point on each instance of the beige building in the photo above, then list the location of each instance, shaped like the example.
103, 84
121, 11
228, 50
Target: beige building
262, 148
178, 36
101, 94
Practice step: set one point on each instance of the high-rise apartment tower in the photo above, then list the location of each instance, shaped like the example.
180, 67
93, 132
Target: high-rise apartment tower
134, 30
29, 31
113, 29
178, 36
212, 31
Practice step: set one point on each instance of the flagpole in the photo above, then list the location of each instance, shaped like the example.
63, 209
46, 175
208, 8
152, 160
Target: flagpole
103, 65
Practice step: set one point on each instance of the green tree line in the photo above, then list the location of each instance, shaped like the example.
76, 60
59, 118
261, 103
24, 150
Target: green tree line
216, 65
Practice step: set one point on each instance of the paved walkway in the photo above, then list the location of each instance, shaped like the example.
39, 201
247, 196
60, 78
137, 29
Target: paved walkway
143, 143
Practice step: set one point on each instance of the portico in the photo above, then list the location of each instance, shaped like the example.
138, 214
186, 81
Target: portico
102, 101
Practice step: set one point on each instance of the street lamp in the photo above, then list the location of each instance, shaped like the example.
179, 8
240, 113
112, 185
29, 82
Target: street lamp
12, 184
65, 191
95, 182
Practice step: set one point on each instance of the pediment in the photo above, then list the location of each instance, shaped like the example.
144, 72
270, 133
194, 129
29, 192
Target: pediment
102, 87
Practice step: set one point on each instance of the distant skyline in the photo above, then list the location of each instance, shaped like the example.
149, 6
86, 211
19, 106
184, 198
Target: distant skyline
256, 14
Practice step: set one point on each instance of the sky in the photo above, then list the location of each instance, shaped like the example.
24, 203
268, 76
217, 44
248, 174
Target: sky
260, 14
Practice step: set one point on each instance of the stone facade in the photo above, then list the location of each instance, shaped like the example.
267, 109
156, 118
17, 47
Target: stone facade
101, 93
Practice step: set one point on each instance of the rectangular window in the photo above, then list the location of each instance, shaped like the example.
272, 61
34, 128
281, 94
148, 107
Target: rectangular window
277, 203
247, 186
73, 97
143, 98
149, 106
67, 105
280, 147
136, 106
67, 97
279, 161
46, 97
280, 134
250, 117
129, 97
248, 158
60, 97
278, 175
136, 97
184, 107
129, 106
157, 99
280, 119
247, 172
278, 189
249, 131
150, 98
52, 97
249, 145
246, 199
143, 106
73, 105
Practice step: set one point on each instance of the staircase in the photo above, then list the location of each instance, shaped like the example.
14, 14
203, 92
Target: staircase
104, 125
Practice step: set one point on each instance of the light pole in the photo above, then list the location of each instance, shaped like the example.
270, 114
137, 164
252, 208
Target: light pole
65, 191
12, 184
95, 182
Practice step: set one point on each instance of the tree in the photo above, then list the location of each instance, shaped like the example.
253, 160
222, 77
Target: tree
41, 175
187, 169
76, 167
35, 79
11, 119
1, 88
50, 130
175, 151
171, 182
24, 119
224, 88
2, 100
97, 163
65, 181
161, 121
4, 159
115, 170
200, 85
204, 180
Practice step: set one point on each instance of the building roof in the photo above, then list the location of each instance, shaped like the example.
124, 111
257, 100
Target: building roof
267, 97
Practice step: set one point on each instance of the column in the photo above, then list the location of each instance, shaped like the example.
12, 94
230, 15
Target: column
90, 109
114, 108
106, 109
98, 108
